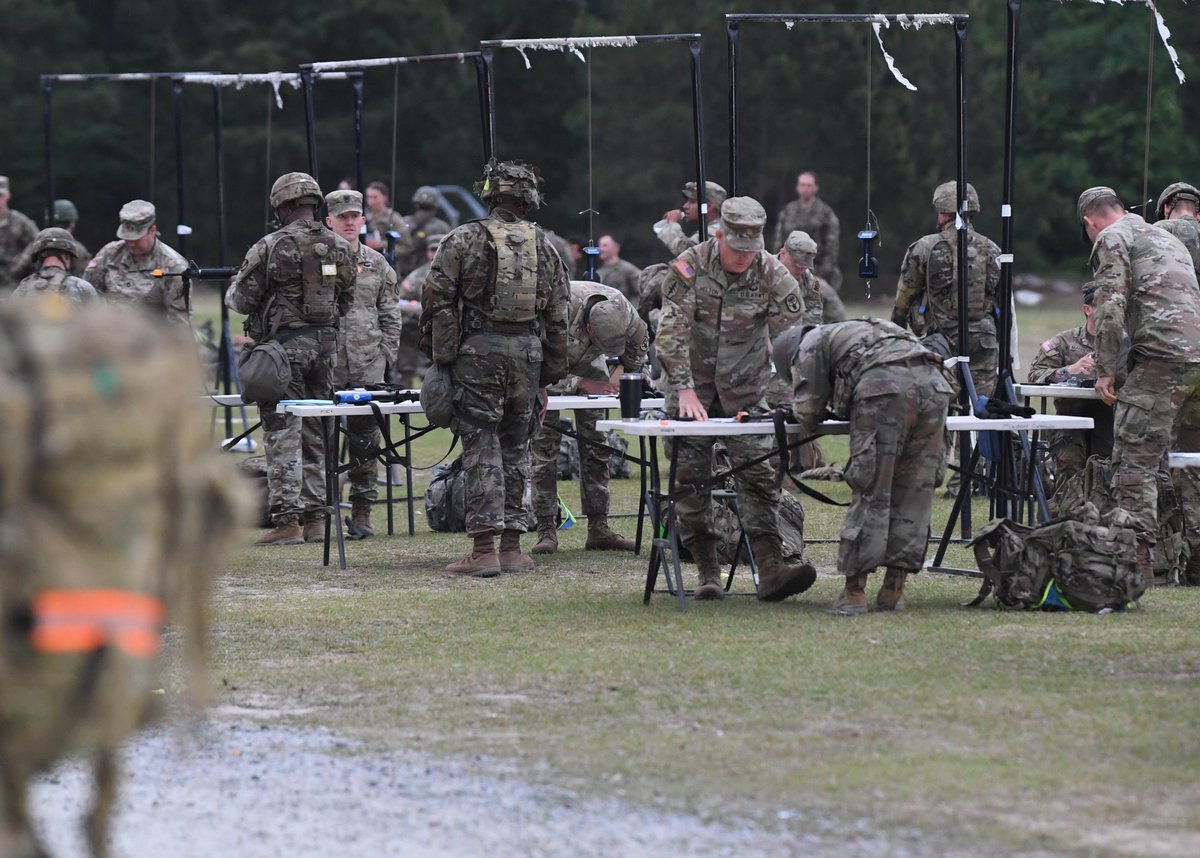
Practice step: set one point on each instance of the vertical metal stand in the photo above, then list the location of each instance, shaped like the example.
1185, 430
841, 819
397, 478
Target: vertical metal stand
360, 165
966, 390
48, 133
310, 121
482, 80
698, 122
181, 235
488, 94
734, 35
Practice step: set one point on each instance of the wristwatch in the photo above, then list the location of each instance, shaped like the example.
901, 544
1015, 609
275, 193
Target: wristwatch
1066, 374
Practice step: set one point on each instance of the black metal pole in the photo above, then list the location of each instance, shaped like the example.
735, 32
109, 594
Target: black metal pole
181, 228
360, 163
489, 100
964, 445
48, 134
481, 84
1006, 236
698, 119
310, 121
734, 31
219, 151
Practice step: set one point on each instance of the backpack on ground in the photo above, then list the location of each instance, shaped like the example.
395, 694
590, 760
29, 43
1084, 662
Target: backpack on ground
446, 499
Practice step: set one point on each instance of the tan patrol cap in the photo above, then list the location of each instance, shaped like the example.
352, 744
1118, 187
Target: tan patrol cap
137, 216
3, 184
610, 320
716, 194
800, 244
1090, 196
742, 222
340, 202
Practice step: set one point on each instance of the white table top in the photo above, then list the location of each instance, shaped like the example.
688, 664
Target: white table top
727, 426
1055, 391
1183, 460
590, 403
557, 403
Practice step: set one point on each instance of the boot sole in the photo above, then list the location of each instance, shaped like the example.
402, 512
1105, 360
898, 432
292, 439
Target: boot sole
299, 540
475, 573
708, 593
536, 550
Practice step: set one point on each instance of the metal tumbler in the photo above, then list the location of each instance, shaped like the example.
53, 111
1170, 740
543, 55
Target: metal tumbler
631, 396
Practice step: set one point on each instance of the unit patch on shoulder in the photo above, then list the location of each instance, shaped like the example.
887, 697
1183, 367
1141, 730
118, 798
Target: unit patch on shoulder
792, 302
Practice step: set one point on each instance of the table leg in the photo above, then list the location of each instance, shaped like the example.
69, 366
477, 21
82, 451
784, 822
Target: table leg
643, 503
408, 476
652, 506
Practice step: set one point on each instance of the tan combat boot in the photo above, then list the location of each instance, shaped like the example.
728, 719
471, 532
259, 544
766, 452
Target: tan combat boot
704, 551
853, 599
547, 532
285, 533
511, 558
1145, 561
603, 538
891, 593
778, 580
482, 562
314, 527
360, 519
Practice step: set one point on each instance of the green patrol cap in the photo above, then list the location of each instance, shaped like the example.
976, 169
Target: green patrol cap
137, 216
800, 246
340, 202
1090, 196
716, 194
742, 222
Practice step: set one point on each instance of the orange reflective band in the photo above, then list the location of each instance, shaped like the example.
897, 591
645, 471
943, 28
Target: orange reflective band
66, 621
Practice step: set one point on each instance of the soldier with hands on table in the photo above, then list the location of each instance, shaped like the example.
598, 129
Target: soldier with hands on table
722, 301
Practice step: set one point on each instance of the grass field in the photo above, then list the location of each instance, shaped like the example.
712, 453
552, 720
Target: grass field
959, 731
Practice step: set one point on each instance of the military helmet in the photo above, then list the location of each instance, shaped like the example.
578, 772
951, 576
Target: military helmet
425, 197
299, 187
945, 198
65, 211
55, 239
1171, 193
513, 178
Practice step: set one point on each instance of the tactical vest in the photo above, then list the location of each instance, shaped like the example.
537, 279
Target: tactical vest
514, 292
302, 272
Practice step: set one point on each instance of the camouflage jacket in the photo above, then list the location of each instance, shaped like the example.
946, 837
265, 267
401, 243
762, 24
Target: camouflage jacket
57, 280
715, 329
120, 276
370, 331
379, 225
1187, 230
269, 287
462, 282
24, 265
584, 359
819, 221
677, 241
17, 232
622, 275
814, 303
411, 288
424, 223
929, 283
1059, 352
1146, 287
832, 359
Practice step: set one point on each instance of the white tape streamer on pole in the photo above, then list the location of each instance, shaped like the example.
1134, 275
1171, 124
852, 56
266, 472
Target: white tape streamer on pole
1163, 33
572, 44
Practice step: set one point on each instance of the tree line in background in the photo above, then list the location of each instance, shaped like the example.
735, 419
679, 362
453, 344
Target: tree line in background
624, 152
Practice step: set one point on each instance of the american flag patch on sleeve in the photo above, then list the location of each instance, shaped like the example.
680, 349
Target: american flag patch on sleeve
684, 269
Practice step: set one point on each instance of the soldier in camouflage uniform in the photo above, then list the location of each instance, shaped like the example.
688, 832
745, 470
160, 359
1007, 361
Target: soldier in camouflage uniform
895, 394
616, 272
721, 302
294, 286
410, 363
1176, 213
1063, 357
65, 217
1145, 287
421, 224
670, 229
16, 233
495, 309
797, 255
124, 270
382, 219
809, 213
601, 323
366, 339
53, 252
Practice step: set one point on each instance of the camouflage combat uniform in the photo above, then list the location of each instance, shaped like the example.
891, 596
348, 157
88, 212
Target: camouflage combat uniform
16, 233
421, 224
927, 296
895, 395
1146, 287
121, 277
1187, 230
832, 307
25, 264
366, 340
270, 290
497, 366
1069, 448
677, 241
390, 220
713, 337
622, 275
819, 221
585, 360
410, 362
55, 280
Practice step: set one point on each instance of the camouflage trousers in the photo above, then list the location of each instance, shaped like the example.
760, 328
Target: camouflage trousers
1069, 449
495, 396
1158, 409
757, 495
897, 449
593, 466
289, 492
983, 355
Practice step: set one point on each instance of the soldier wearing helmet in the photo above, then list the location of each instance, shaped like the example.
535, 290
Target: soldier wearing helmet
386, 228
495, 314
601, 323
65, 216
16, 233
293, 287
1176, 213
53, 252
422, 223
139, 268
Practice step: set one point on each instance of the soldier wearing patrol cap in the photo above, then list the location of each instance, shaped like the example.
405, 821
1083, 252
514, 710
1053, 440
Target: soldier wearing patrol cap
670, 229
422, 223
1176, 212
1145, 287
139, 268
601, 323
16, 233
797, 256
294, 286
52, 253
722, 302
